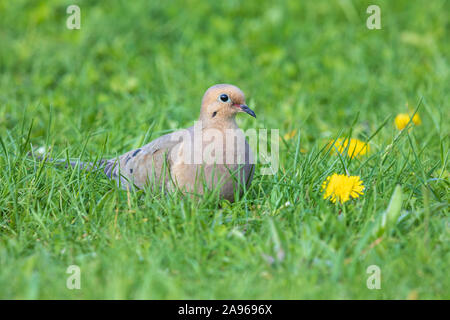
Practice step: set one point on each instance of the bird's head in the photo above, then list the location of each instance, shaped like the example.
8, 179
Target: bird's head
222, 102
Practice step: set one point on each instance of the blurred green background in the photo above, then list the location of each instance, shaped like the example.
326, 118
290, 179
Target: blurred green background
137, 69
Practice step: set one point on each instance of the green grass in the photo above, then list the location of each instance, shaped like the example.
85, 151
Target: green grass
137, 70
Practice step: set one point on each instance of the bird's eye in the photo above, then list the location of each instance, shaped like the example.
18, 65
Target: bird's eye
224, 98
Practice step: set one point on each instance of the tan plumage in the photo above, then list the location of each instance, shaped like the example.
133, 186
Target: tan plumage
162, 162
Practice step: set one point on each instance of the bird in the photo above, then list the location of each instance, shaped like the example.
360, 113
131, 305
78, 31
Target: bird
195, 159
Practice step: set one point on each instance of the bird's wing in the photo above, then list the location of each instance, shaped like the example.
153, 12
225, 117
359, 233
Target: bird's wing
148, 164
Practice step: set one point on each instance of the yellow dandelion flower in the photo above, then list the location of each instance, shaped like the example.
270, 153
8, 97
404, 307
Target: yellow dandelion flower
354, 149
340, 187
402, 119
416, 119
290, 135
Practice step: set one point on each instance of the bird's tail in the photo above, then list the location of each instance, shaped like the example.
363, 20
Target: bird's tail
108, 166
74, 163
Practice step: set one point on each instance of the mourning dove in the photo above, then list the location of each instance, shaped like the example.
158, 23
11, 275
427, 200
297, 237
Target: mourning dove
194, 158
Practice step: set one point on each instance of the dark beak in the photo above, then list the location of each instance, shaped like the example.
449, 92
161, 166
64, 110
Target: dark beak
247, 110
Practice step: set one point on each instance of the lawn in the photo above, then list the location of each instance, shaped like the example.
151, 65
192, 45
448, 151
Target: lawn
311, 69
